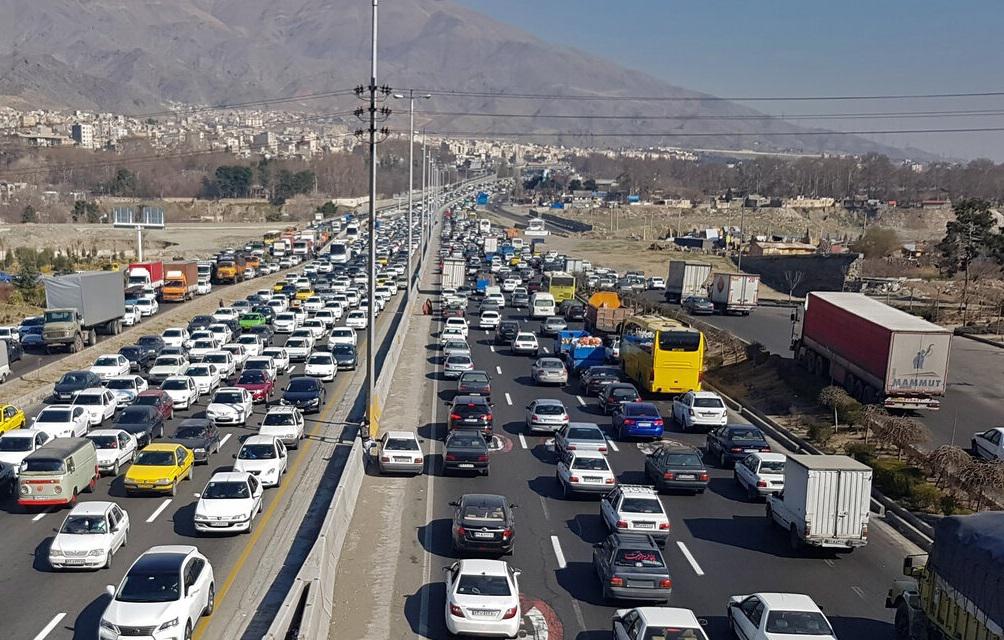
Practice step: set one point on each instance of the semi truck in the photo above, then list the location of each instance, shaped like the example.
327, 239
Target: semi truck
955, 591
605, 312
80, 305
303, 247
734, 292
825, 502
148, 275
876, 352
686, 278
454, 273
181, 281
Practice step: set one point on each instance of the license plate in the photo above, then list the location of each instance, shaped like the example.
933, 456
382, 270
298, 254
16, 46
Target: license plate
219, 524
145, 486
685, 476
401, 459
592, 478
644, 424
750, 450
640, 583
466, 465
484, 613
644, 525
484, 535
75, 562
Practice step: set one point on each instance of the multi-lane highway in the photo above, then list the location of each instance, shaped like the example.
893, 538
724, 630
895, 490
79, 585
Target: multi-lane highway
721, 543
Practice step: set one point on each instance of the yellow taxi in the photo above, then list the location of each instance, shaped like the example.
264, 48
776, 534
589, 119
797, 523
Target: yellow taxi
159, 468
11, 418
278, 286
303, 294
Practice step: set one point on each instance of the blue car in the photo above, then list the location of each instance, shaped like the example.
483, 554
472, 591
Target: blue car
637, 420
31, 337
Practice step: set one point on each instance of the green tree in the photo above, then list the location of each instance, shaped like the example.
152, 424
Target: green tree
328, 208
589, 184
123, 184
26, 280
62, 264
877, 242
86, 211
291, 184
969, 237
229, 181
28, 214
575, 185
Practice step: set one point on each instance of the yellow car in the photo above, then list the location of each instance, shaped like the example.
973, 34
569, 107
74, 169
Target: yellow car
11, 418
278, 286
303, 294
159, 468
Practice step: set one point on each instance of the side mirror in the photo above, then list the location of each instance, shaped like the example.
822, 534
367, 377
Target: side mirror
110, 590
597, 545
514, 506
234, 456
454, 503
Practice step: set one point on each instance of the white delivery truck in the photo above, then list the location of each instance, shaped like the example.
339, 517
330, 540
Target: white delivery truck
454, 273
825, 502
686, 278
734, 292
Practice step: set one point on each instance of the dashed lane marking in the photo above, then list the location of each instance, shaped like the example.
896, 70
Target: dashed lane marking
508, 399
39, 516
582, 402
49, 627
223, 441
160, 510
690, 558
859, 591
498, 369
492, 347
558, 553
522, 441
613, 445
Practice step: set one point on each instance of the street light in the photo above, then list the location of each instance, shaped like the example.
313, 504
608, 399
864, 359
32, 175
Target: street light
411, 176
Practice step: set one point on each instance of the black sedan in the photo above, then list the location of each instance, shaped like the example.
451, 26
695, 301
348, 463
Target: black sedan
475, 383
139, 357
345, 356
677, 466
734, 442
615, 394
306, 394
14, 350
144, 422
153, 344
200, 435
698, 305
594, 379
74, 381
575, 312
483, 522
466, 450
506, 332
471, 412
200, 322
265, 331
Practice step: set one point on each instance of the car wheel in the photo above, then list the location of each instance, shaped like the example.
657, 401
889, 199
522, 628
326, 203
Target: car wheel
722, 461
210, 600
250, 528
108, 560
188, 630
174, 489
115, 469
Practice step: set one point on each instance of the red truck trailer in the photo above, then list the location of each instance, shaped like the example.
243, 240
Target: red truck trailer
878, 353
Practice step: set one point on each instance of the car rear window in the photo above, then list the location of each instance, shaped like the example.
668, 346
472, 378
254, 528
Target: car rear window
745, 435
470, 410
591, 464
772, 466
641, 410
401, 444
473, 585
708, 403
641, 505
549, 410
623, 393
583, 433
638, 558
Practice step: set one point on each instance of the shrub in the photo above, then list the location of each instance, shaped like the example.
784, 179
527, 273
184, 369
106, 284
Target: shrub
895, 478
861, 451
820, 433
924, 496
949, 504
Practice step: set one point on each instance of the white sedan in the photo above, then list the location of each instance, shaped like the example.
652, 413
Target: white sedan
252, 344
116, 448
285, 423
451, 334
90, 536
321, 364
264, 456
238, 351
343, 335
231, 405
207, 377
316, 328
766, 616
699, 409
229, 503
132, 316
176, 337
298, 349
482, 598
99, 403
146, 306
279, 357
110, 365
166, 366
62, 421
760, 474
202, 346
223, 361
17, 444
989, 445
126, 388
356, 319
183, 391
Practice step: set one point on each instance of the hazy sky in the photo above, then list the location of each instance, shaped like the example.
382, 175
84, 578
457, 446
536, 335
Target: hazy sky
803, 48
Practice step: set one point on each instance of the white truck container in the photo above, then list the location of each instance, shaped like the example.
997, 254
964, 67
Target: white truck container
491, 245
734, 292
574, 265
825, 502
454, 273
280, 248
686, 278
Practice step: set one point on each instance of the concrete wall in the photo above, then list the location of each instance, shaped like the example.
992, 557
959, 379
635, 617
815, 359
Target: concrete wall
819, 272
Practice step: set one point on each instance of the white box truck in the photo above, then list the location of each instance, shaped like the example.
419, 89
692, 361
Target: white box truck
734, 292
825, 502
686, 278
454, 273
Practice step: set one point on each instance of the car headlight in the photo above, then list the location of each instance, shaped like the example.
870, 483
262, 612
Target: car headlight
94, 553
164, 481
167, 625
108, 626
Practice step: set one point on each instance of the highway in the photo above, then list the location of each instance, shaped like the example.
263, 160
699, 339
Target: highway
721, 543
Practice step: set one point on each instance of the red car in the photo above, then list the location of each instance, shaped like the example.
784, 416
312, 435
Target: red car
159, 400
258, 382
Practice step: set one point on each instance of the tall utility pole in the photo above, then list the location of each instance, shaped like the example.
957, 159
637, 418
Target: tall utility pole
742, 225
371, 280
411, 179
426, 223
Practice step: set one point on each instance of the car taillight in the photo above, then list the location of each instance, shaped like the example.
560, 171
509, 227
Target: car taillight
451, 457
419, 460
609, 480
864, 530
665, 583
384, 458
510, 613
736, 449
765, 449
657, 422
602, 449
507, 533
456, 611
564, 417
629, 421
669, 475
761, 483
616, 581
455, 416
489, 416
573, 478
570, 447
703, 477
483, 458
622, 524
691, 413
664, 526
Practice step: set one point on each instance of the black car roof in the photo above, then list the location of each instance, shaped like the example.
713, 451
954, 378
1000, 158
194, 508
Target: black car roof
482, 499
195, 422
470, 400
632, 540
160, 562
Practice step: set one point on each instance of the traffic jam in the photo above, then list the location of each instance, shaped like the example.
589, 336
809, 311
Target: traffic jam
146, 470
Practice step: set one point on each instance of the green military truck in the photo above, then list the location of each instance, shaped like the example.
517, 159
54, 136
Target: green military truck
80, 305
956, 592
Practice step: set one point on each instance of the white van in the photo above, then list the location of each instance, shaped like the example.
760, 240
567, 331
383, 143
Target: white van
542, 305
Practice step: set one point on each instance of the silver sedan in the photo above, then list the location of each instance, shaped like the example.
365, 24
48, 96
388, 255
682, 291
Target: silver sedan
549, 371
455, 365
546, 414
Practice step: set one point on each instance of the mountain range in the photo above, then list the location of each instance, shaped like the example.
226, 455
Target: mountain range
137, 56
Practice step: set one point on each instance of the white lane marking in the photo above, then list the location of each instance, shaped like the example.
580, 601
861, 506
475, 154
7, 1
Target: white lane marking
582, 402
508, 399
498, 370
487, 332
558, 553
49, 627
690, 558
160, 510
546, 350
522, 441
423, 619
39, 516
829, 563
492, 347
224, 439
613, 445
543, 505
291, 369
860, 593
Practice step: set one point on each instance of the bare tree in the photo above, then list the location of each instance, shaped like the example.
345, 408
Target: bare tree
981, 478
948, 461
793, 278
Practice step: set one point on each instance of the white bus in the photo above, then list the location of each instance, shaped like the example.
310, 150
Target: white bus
542, 305
484, 226
340, 253
352, 230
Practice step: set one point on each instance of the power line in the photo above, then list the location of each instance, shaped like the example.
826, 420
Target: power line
693, 134
183, 111
824, 116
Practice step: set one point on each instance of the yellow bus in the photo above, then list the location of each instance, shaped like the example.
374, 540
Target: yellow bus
662, 355
561, 285
271, 236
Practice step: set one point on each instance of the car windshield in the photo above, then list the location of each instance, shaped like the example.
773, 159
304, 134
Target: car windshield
155, 458
74, 378
189, 433
216, 358
175, 384
481, 585
106, 362
279, 419
104, 442
808, 623
198, 372
203, 344
122, 383
400, 444
54, 415
584, 433
16, 443
745, 435
42, 465
772, 466
132, 352
153, 341
708, 403
226, 491
228, 397
172, 333
88, 399
549, 410
252, 376
466, 441
83, 525
638, 558
296, 343
301, 385
591, 464
257, 452
149, 587
641, 505
248, 339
